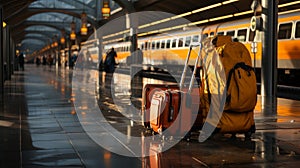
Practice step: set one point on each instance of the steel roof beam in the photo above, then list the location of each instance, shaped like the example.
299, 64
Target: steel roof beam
43, 40
33, 11
127, 5
144, 3
45, 34
48, 34
79, 5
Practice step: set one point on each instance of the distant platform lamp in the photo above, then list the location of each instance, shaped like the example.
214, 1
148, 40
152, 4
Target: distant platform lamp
73, 34
62, 38
83, 29
105, 10
54, 40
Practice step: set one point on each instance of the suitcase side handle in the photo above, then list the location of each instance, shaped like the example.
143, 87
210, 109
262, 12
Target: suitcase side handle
183, 76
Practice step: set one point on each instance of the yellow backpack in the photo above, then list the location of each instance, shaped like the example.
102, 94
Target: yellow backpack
240, 76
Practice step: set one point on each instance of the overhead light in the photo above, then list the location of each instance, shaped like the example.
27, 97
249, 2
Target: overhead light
291, 11
105, 10
243, 13
181, 15
189, 13
288, 4
62, 38
165, 29
142, 34
229, 1
83, 29
115, 34
116, 10
221, 17
73, 34
199, 22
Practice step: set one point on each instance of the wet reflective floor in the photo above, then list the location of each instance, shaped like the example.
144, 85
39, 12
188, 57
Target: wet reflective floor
46, 120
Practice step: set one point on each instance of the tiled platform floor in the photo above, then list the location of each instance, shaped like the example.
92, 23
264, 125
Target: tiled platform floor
39, 127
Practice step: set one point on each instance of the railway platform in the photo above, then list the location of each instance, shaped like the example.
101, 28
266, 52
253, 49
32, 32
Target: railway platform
40, 126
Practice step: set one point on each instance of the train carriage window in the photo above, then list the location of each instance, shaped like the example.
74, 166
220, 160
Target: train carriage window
211, 34
196, 38
128, 48
163, 44
180, 42
285, 31
168, 45
241, 35
157, 44
142, 46
146, 45
297, 32
153, 45
188, 41
230, 33
252, 35
174, 43
205, 35
220, 33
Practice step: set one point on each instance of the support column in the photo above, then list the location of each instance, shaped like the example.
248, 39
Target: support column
7, 53
98, 10
70, 53
132, 25
11, 54
1, 53
99, 43
269, 57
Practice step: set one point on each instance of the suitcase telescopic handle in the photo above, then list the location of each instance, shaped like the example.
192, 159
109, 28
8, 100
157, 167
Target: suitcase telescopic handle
183, 76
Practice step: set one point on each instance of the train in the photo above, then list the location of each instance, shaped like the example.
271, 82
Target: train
171, 48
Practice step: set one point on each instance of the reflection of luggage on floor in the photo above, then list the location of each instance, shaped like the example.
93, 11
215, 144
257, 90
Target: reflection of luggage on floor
240, 102
168, 159
173, 111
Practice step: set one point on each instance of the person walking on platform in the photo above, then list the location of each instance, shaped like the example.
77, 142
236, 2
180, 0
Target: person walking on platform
50, 61
44, 60
37, 60
21, 61
110, 62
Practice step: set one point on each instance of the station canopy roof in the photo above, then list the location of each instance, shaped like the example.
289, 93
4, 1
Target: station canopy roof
35, 23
